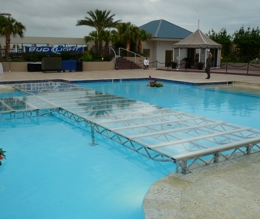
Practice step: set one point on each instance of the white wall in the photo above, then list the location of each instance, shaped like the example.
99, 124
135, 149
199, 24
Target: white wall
149, 45
160, 53
158, 47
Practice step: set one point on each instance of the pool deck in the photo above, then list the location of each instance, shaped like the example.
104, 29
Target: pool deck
230, 189
192, 77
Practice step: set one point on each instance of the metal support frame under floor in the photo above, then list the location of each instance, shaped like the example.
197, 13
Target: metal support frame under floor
183, 164
123, 140
157, 133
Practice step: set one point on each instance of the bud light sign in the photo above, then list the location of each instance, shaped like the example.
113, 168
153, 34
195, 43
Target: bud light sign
50, 49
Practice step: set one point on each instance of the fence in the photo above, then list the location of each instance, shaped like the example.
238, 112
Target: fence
224, 68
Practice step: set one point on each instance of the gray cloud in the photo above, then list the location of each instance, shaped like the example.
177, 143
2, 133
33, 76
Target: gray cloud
58, 18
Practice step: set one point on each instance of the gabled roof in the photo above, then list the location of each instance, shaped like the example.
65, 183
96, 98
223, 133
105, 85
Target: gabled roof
197, 40
165, 29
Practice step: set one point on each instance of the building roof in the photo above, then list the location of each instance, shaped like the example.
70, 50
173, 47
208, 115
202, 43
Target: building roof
165, 29
197, 40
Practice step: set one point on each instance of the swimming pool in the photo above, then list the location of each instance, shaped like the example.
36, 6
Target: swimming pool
51, 171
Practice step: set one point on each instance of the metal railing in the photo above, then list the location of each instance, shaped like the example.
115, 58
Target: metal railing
135, 54
224, 68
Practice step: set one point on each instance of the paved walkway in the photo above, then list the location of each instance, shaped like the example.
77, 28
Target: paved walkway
173, 75
225, 190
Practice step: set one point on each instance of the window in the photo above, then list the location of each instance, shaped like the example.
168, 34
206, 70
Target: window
146, 52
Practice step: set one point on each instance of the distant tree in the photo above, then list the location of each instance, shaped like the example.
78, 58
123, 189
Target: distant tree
106, 36
127, 33
115, 40
93, 36
143, 36
9, 26
100, 20
114, 37
222, 38
247, 43
5, 14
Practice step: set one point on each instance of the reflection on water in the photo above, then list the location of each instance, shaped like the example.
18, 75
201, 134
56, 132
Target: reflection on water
238, 108
12, 104
99, 104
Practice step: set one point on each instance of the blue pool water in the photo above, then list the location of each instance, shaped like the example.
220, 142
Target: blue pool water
51, 171
11, 94
238, 108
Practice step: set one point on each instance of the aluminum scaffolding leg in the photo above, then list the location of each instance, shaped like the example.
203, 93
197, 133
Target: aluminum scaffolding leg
92, 135
182, 164
248, 148
216, 157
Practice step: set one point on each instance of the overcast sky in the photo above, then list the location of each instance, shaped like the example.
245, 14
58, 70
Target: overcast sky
58, 18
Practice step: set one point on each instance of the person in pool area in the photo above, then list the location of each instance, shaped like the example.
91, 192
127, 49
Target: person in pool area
146, 63
208, 65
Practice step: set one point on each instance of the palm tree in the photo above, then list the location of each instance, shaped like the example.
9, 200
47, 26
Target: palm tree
5, 14
9, 26
106, 36
143, 36
93, 36
127, 33
100, 20
114, 37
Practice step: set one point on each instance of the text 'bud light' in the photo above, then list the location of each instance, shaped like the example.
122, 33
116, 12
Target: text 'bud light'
50, 49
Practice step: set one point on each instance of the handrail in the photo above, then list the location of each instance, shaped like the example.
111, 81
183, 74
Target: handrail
115, 63
130, 52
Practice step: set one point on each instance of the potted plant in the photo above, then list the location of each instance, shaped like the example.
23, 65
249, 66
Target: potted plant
187, 62
174, 64
200, 65
2, 155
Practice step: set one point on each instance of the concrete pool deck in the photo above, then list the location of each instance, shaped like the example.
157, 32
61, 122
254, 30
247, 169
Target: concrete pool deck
192, 77
230, 189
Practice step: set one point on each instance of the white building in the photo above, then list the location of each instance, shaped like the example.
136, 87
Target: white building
165, 34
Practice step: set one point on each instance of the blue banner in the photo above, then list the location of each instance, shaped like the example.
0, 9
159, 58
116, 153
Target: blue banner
51, 49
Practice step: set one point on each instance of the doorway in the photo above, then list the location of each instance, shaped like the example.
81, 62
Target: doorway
191, 55
168, 58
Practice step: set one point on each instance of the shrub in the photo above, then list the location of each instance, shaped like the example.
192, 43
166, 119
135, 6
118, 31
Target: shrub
106, 57
86, 57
